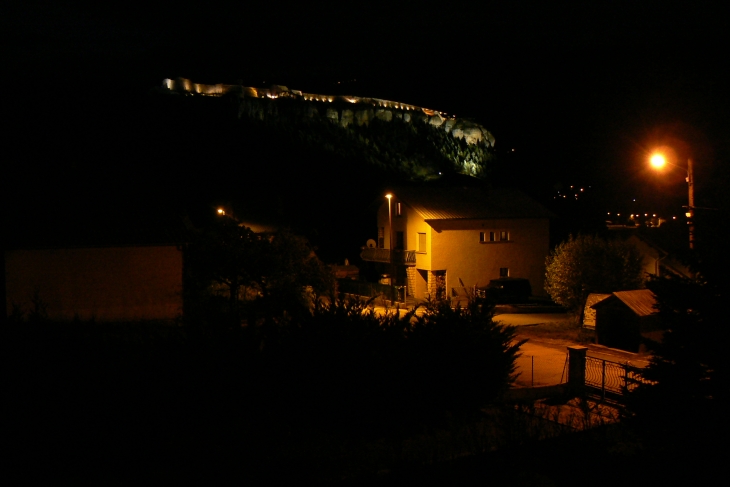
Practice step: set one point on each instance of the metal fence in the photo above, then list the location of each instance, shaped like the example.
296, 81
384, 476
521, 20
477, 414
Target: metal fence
612, 377
371, 289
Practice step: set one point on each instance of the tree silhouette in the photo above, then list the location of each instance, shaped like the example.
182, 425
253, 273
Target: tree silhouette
268, 274
588, 264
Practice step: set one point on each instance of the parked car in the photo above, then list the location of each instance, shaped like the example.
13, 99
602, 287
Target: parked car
507, 290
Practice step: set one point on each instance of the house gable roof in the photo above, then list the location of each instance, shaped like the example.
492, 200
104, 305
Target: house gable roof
453, 203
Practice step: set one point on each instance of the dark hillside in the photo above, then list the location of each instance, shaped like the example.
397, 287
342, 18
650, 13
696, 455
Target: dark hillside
128, 167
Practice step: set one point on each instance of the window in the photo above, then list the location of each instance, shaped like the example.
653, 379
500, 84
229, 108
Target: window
381, 237
422, 243
504, 272
485, 237
503, 236
398, 209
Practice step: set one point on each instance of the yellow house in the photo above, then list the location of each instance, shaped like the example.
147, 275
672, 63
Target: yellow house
433, 237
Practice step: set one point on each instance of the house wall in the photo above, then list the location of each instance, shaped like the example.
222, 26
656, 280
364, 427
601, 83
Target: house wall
106, 284
454, 246
658, 263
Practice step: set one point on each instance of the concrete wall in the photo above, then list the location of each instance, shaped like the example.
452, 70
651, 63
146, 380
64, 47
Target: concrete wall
106, 284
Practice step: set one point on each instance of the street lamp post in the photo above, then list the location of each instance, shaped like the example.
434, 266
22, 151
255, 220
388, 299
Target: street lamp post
392, 264
658, 161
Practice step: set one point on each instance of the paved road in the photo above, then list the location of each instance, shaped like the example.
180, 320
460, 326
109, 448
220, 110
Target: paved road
522, 319
541, 365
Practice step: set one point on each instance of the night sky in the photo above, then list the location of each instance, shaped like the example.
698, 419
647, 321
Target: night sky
580, 91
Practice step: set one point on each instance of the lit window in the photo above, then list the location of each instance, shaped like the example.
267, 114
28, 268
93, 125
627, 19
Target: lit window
422, 242
381, 237
485, 237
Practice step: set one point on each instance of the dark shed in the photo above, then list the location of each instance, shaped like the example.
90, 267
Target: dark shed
626, 318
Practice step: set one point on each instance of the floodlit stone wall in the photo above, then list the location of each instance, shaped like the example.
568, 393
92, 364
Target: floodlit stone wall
363, 111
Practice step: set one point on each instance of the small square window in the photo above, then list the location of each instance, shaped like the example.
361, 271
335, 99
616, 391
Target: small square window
504, 272
503, 236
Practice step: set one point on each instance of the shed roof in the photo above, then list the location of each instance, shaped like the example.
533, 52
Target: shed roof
453, 203
640, 301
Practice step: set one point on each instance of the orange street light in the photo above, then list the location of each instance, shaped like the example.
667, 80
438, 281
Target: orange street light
390, 223
658, 161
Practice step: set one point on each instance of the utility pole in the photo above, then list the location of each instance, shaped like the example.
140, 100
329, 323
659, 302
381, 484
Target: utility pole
691, 208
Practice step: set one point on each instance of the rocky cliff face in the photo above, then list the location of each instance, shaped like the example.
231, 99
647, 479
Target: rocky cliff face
362, 112
466, 145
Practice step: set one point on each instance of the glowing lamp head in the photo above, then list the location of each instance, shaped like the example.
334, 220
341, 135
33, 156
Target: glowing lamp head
657, 161
221, 211
389, 196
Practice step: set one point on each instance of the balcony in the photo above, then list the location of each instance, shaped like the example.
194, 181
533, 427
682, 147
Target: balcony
387, 256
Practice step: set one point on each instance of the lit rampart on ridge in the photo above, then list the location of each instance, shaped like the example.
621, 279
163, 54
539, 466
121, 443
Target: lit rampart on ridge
276, 91
470, 131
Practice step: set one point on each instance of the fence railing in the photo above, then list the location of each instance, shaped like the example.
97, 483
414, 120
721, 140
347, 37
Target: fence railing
611, 377
402, 257
371, 289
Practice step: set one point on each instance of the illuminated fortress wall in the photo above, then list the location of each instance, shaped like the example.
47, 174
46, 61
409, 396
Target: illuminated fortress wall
363, 111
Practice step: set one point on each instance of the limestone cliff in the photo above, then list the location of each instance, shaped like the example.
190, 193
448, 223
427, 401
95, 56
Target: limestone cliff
464, 143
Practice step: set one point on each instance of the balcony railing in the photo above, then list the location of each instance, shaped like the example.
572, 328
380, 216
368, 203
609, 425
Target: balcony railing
402, 257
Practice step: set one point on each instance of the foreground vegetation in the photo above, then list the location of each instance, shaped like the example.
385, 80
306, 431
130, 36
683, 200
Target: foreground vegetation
328, 391
107, 401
